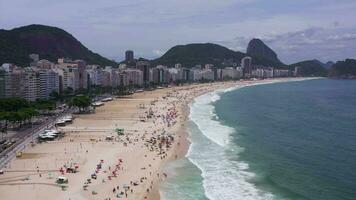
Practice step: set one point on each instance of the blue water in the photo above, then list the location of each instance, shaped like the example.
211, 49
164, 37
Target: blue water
294, 140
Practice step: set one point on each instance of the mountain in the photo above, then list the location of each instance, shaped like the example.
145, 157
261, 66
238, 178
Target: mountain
49, 42
344, 69
310, 68
258, 49
327, 65
190, 55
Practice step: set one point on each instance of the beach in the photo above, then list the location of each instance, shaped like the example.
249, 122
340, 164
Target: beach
109, 165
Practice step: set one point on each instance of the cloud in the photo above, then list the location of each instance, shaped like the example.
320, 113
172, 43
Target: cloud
295, 29
342, 37
158, 52
312, 43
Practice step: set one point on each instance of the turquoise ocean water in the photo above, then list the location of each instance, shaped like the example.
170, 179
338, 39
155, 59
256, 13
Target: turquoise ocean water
293, 140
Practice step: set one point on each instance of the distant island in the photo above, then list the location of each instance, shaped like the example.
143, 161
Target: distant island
52, 43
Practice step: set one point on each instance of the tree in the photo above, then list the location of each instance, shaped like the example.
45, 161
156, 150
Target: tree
81, 102
44, 105
13, 104
3, 123
56, 96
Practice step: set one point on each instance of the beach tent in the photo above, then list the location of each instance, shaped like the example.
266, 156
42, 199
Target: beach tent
61, 180
119, 131
109, 138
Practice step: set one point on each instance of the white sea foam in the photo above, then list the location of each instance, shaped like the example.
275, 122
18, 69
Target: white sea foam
223, 178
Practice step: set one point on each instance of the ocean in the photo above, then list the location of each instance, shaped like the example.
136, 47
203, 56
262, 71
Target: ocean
290, 140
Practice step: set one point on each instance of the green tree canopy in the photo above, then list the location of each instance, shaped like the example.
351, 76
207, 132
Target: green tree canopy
81, 102
13, 104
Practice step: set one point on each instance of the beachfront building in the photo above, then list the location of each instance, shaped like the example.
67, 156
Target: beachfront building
132, 77
31, 85
246, 64
77, 77
115, 78
129, 56
160, 74
144, 66
62, 79
14, 82
106, 78
173, 74
94, 74
297, 71
281, 73
113, 75
178, 66
207, 74
195, 74
230, 73
82, 75
217, 74
35, 58
48, 83
72, 78
262, 73
3, 75
183, 74
28, 83
208, 66
44, 64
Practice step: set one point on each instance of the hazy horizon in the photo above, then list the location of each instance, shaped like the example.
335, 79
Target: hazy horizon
296, 31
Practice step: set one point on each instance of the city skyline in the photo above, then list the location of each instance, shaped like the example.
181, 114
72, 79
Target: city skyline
297, 31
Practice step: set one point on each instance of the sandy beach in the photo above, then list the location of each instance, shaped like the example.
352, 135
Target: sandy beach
110, 166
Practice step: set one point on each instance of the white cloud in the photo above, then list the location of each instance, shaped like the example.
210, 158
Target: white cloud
109, 27
158, 52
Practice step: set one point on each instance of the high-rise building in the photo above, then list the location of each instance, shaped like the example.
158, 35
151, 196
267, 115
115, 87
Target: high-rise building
297, 71
81, 74
144, 66
160, 74
49, 82
15, 84
31, 86
129, 56
3, 75
246, 64
132, 77
35, 58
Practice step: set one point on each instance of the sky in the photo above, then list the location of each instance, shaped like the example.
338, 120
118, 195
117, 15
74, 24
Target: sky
296, 29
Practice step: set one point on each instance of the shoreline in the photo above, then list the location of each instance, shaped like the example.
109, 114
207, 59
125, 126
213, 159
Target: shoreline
140, 173
33, 175
228, 89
